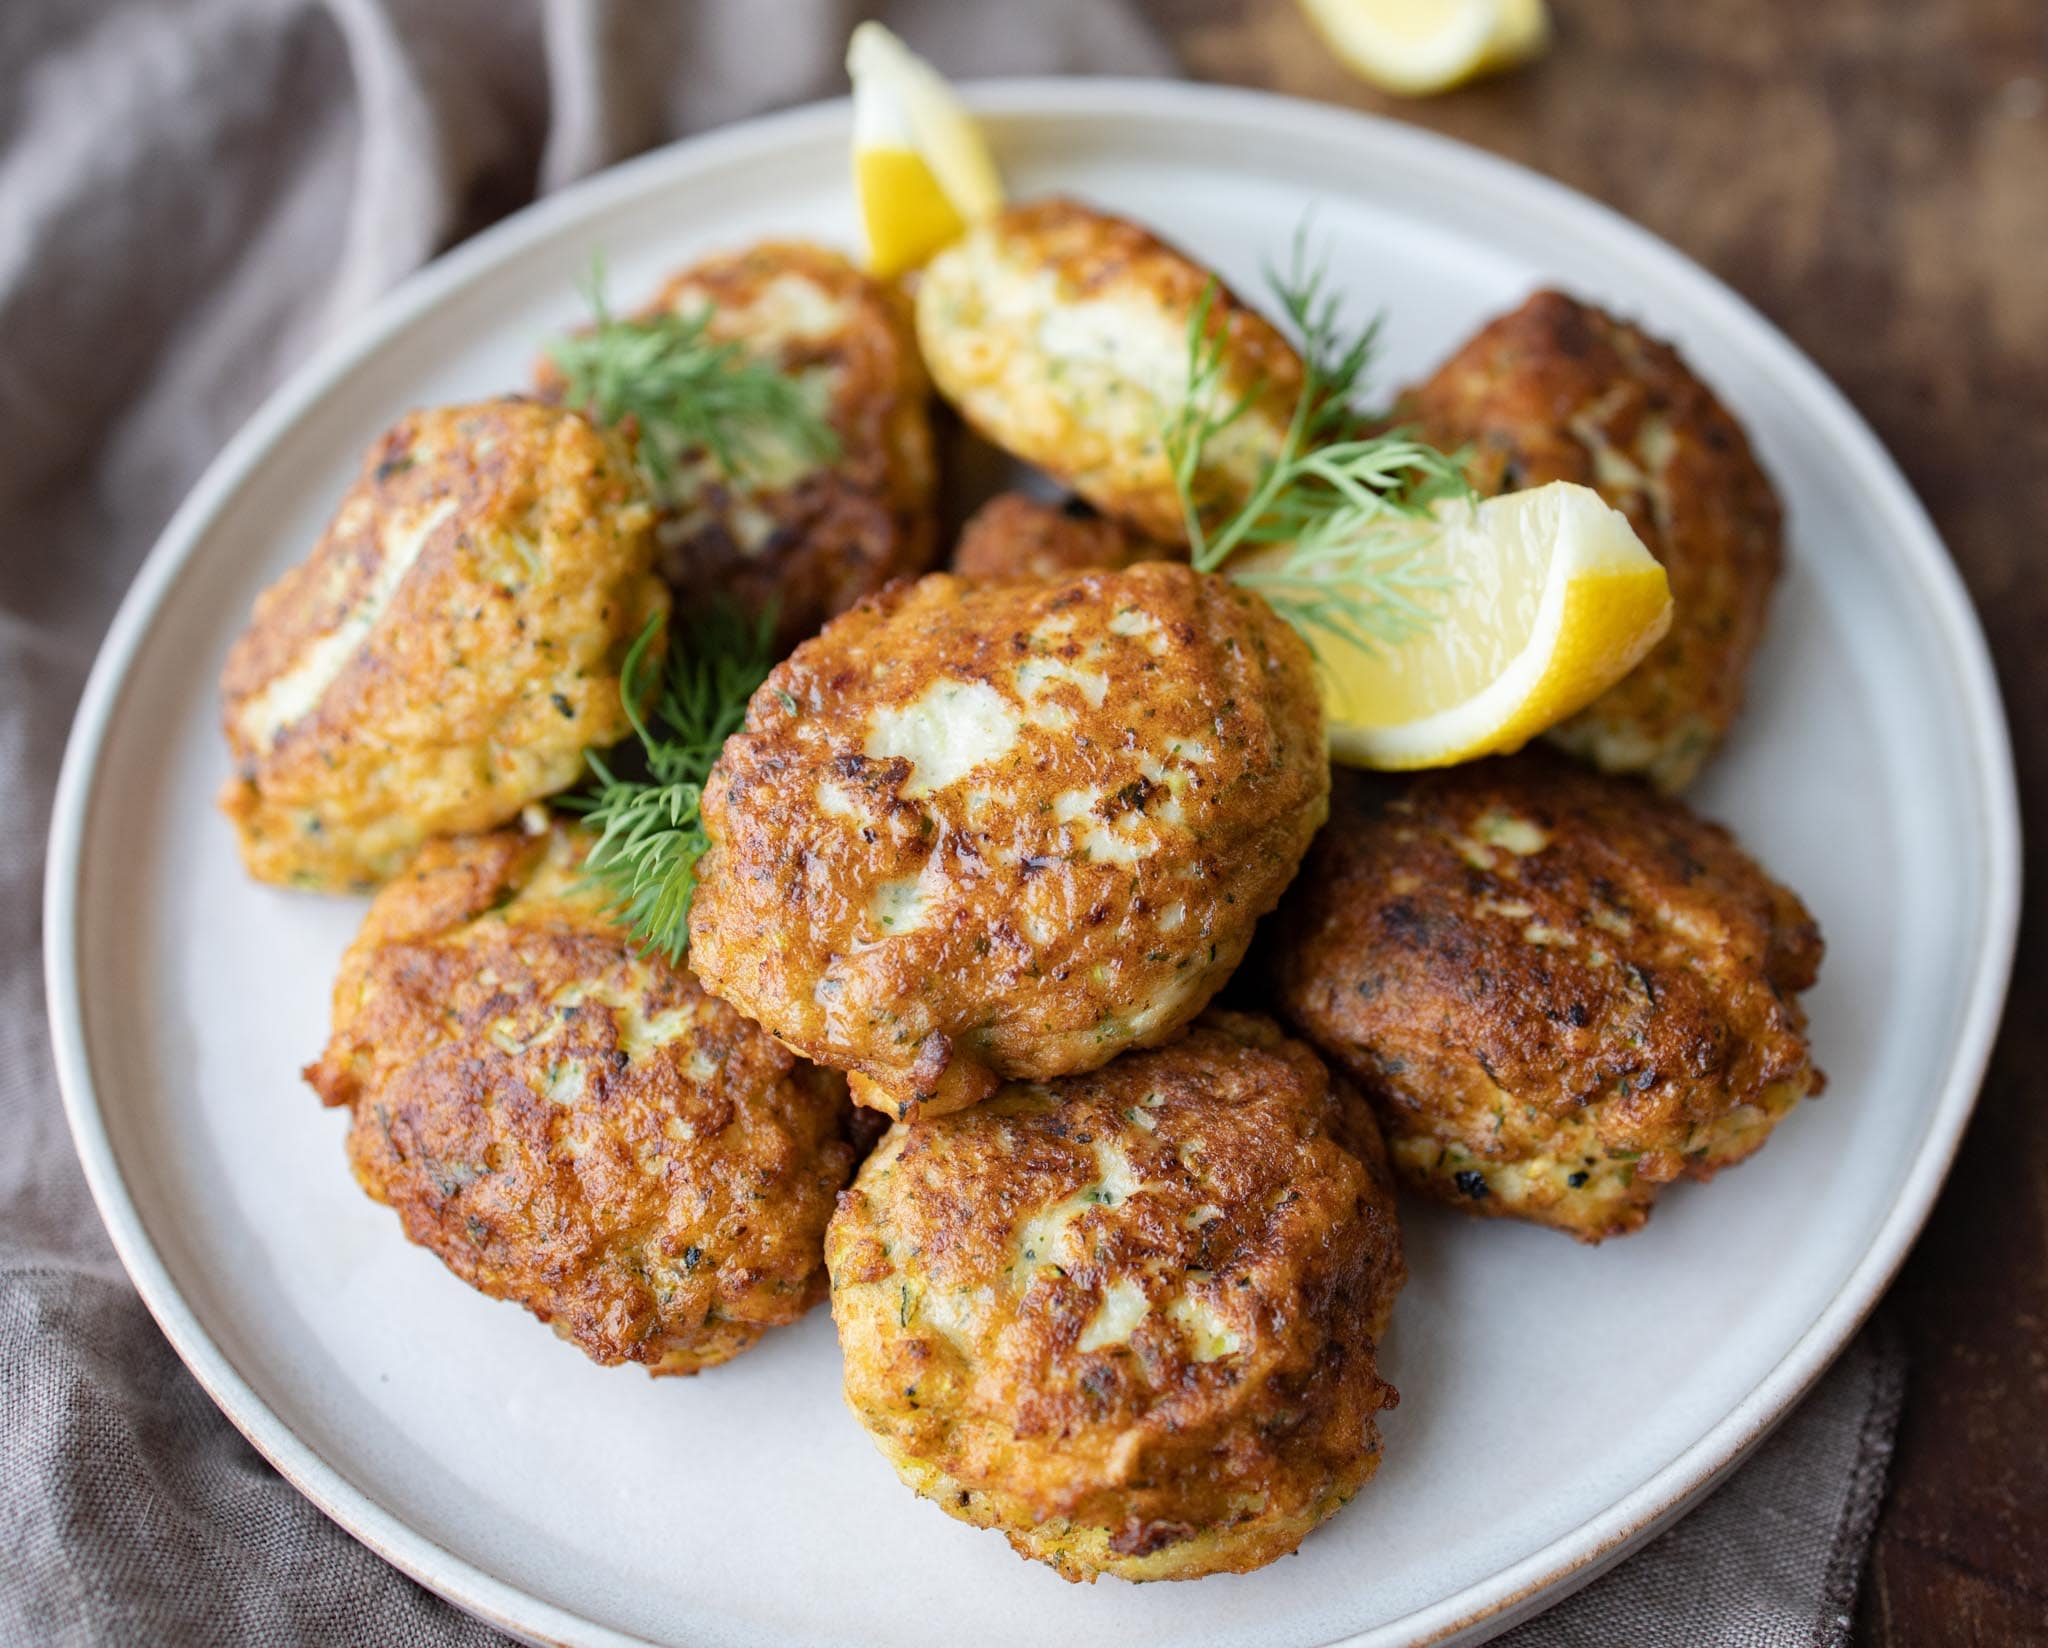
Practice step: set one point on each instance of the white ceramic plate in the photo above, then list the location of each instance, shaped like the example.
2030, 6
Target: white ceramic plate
1558, 1403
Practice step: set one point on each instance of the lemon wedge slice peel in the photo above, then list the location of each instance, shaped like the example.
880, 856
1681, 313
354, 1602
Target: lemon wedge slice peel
1418, 47
1550, 599
922, 171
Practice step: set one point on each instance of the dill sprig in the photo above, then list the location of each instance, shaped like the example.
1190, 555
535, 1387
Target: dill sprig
1354, 511
686, 392
650, 834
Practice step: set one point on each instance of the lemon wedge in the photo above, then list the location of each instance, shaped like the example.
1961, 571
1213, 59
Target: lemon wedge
1416, 47
921, 168
1549, 599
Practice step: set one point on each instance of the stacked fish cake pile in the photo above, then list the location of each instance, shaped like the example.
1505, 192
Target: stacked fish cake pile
861, 933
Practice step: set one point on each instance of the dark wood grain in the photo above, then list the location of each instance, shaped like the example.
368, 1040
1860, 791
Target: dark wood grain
1873, 175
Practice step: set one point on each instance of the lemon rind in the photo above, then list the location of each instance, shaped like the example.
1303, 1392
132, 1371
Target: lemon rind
1548, 681
1484, 37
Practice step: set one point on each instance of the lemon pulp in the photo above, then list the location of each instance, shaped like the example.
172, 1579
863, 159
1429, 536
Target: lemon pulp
922, 171
1549, 598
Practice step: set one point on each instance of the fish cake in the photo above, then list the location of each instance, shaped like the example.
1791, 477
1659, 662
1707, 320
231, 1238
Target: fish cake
574, 1125
807, 535
1060, 333
1015, 537
1561, 991
1129, 1319
975, 832
1561, 391
448, 652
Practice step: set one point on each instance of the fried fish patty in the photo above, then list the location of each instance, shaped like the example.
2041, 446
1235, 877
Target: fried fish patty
809, 535
1561, 990
1007, 830
573, 1125
1561, 391
1061, 334
1015, 537
1129, 1319
450, 649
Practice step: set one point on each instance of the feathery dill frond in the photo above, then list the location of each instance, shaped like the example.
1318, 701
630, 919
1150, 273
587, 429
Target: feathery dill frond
686, 392
650, 832
1353, 511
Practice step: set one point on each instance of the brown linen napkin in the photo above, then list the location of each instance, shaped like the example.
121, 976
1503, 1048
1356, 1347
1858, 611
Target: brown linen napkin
192, 193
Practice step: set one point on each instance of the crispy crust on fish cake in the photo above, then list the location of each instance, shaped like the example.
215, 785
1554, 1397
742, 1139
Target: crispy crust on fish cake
1129, 1319
1061, 334
809, 536
575, 1126
1015, 537
985, 831
1561, 991
449, 650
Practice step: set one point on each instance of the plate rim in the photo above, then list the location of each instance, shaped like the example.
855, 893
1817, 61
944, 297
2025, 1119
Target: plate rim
1483, 1607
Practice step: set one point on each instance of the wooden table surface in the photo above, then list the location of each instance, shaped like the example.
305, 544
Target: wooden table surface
1873, 175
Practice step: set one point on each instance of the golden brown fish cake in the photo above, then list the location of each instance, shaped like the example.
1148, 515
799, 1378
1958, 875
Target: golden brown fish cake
575, 1126
1561, 391
1561, 990
1015, 537
1129, 1319
983, 831
449, 650
1061, 334
810, 536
